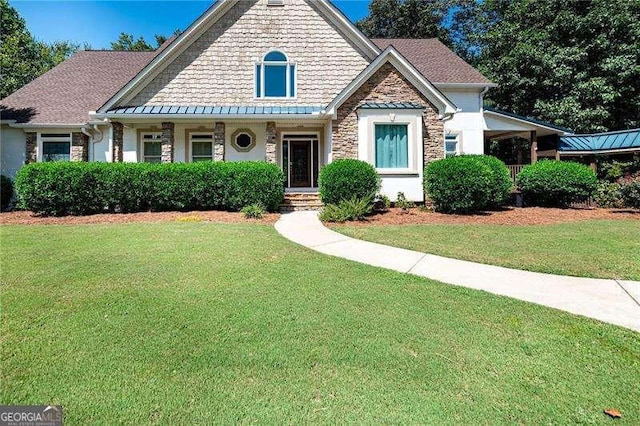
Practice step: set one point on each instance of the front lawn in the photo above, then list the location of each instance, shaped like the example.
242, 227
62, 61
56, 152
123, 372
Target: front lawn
184, 323
595, 248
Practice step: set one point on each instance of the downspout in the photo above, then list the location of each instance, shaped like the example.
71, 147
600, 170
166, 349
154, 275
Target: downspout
94, 137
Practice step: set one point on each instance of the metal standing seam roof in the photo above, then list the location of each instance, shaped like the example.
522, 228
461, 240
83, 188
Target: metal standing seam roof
218, 110
391, 105
609, 141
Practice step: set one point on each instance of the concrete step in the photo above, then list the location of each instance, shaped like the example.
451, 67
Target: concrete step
301, 201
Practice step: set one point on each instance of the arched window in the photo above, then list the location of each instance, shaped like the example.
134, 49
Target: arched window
275, 76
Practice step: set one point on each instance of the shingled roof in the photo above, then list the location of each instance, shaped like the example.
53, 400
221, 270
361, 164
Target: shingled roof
66, 93
434, 60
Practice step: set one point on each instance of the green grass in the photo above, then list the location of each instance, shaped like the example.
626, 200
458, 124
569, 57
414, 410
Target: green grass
596, 248
208, 323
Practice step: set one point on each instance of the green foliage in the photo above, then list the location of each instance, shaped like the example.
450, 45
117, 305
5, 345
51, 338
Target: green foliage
403, 203
406, 19
575, 63
348, 210
344, 179
126, 42
253, 211
630, 190
608, 195
612, 170
556, 183
466, 183
61, 188
6, 191
381, 203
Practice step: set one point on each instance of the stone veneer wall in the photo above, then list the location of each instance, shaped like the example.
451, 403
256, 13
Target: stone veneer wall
270, 148
386, 85
218, 68
31, 148
167, 139
118, 142
218, 141
79, 147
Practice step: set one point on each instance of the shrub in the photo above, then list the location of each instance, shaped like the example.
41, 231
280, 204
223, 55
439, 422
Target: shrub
344, 179
461, 184
630, 190
61, 188
6, 191
403, 203
381, 203
556, 183
347, 210
608, 195
253, 211
501, 182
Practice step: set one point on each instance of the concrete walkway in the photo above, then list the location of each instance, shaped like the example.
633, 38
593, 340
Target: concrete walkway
613, 301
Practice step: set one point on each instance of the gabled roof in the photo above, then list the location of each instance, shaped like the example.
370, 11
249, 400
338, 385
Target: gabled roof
622, 140
66, 93
392, 56
436, 61
526, 119
209, 18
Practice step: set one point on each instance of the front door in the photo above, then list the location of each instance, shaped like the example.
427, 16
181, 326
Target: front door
300, 164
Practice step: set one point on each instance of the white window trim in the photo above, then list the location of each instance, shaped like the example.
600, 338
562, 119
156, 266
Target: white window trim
287, 64
143, 140
458, 137
191, 140
367, 119
40, 140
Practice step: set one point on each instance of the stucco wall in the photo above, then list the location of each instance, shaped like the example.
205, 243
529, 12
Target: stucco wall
12, 149
218, 68
468, 123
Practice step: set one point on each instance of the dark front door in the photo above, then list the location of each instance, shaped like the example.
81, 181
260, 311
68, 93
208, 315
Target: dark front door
300, 164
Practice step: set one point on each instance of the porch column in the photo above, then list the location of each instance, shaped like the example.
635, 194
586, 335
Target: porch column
118, 141
79, 147
167, 142
271, 142
218, 142
534, 147
31, 147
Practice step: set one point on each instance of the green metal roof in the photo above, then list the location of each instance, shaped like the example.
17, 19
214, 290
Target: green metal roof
391, 105
609, 141
218, 110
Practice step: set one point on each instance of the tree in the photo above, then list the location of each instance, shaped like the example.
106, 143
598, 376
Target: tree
125, 42
407, 19
56, 52
573, 63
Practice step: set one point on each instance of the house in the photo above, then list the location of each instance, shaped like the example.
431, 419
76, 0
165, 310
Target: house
292, 82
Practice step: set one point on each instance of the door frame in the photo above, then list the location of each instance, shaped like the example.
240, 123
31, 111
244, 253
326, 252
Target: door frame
314, 133
309, 148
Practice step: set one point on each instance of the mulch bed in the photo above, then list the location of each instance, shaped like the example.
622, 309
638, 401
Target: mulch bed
509, 216
27, 218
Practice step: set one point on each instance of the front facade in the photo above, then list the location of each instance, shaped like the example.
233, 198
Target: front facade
293, 83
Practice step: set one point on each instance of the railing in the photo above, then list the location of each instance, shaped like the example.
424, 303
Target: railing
514, 169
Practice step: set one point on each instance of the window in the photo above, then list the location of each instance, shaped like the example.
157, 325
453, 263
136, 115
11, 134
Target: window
201, 146
56, 146
152, 147
391, 146
275, 76
243, 140
450, 145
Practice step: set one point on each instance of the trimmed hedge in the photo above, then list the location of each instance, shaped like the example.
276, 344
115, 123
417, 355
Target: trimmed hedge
630, 191
467, 183
6, 191
62, 188
343, 180
556, 183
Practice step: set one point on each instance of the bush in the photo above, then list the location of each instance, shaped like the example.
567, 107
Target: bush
253, 211
608, 195
466, 183
381, 203
556, 183
61, 188
347, 210
630, 190
6, 192
342, 180
403, 203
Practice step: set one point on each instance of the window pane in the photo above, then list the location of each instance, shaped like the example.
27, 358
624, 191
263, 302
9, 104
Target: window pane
56, 151
154, 159
275, 56
196, 159
451, 146
202, 149
391, 146
152, 148
292, 80
275, 80
258, 80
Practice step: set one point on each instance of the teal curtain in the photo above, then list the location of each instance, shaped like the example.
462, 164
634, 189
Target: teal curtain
392, 146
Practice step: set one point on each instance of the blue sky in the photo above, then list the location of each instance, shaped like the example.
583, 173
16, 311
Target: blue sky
99, 22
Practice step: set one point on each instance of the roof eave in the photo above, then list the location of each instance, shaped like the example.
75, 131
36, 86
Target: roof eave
150, 117
562, 132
